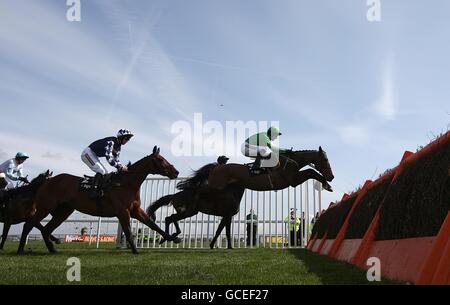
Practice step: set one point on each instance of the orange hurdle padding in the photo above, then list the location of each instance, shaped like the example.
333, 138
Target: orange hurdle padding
311, 242
442, 275
322, 242
341, 235
432, 269
364, 248
369, 238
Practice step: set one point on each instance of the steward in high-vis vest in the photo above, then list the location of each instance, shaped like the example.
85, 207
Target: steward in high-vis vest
294, 228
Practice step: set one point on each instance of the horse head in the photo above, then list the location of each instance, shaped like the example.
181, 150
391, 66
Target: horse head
41, 178
317, 158
155, 164
162, 166
323, 165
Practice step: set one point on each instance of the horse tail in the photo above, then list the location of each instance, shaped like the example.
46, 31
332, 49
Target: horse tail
198, 178
157, 204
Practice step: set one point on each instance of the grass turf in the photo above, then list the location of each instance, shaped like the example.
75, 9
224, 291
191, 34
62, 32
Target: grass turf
108, 265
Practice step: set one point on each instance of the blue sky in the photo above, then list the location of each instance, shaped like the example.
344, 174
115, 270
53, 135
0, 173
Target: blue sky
365, 91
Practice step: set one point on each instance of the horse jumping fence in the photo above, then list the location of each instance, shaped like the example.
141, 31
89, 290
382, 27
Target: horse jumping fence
268, 226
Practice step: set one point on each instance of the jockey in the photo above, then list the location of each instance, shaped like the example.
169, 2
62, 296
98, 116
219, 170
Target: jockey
110, 149
3, 184
13, 170
259, 146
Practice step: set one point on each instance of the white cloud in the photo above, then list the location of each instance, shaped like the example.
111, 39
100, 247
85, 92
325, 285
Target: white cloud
3, 155
51, 155
38, 161
354, 134
386, 105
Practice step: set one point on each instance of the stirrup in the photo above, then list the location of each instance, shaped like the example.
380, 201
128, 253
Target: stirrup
256, 171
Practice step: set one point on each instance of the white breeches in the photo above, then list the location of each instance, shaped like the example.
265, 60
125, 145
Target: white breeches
11, 184
253, 151
92, 161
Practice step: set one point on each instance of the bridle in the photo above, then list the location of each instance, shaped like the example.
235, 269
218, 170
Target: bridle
157, 169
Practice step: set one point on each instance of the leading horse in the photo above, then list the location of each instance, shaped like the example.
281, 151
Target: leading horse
222, 196
62, 195
287, 173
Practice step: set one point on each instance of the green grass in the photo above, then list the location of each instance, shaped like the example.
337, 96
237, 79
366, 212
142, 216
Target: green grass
175, 266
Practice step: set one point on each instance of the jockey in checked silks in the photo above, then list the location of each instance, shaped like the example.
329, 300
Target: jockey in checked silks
109, 148
260, 147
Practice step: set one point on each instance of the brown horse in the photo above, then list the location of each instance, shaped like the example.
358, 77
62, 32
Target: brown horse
232, 180
3, 183
189, 202
18, 205
286, 174
62, 195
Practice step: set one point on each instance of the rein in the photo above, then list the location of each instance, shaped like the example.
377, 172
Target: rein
290, 160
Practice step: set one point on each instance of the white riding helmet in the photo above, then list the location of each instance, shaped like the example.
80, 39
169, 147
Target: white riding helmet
124, 132
2, 176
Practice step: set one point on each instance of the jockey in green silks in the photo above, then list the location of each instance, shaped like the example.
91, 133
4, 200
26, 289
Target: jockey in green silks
260, 147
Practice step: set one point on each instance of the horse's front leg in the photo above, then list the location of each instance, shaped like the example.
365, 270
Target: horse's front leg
124, 219
6, 227
219, 230
307, 174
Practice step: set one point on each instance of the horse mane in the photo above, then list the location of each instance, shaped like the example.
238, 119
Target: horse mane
131, 165
304, 151
196, 178
29, 188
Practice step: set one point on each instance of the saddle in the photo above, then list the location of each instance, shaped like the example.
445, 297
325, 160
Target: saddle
257, 172
97, 189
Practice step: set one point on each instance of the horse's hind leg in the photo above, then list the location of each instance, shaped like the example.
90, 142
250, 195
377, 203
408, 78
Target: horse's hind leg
174, 219
52, 238
219, 230
35, 221
6, 227
228, 231
140, 215
177, 227
61, 213
27, 227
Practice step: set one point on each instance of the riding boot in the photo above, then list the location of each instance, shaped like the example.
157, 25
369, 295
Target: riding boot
256, 168
1, 198
96, 191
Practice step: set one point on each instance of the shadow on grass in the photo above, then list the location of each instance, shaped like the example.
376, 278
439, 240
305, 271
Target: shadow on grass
334, 272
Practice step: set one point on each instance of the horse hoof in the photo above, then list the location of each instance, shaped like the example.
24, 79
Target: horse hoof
327, 187
57, 241
135, 252
162, 241
176, 240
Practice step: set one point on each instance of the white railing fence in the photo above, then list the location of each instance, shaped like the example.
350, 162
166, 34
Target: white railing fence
270, 225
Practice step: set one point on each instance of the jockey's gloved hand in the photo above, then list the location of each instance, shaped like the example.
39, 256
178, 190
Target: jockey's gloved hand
122, 168
24, 180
